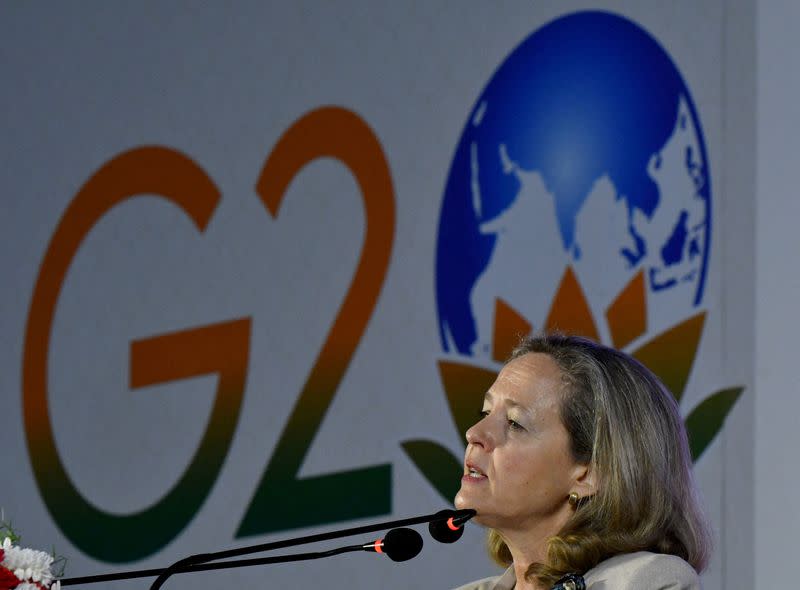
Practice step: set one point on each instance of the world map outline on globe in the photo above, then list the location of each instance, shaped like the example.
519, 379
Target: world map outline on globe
587, 130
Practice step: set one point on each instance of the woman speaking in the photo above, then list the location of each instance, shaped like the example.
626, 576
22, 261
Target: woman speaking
580, 467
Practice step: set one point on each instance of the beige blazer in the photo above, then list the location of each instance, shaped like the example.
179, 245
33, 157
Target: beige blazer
632, 571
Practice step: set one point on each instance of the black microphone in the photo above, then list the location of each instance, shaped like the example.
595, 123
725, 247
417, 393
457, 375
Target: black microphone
398, 545
449, 525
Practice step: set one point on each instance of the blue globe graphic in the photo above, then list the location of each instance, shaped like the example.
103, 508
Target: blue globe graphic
588, 104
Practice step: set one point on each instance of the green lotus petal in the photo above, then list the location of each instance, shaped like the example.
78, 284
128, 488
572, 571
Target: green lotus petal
442, 470
707, 418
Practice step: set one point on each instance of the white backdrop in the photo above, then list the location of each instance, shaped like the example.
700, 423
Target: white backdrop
777, 290
221, 85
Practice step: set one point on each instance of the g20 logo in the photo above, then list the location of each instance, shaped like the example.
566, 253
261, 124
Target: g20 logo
282, 500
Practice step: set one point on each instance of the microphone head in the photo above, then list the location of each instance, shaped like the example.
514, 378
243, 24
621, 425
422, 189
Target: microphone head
450, 526
402, 544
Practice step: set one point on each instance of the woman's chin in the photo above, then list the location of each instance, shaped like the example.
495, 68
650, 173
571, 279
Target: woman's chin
464, 500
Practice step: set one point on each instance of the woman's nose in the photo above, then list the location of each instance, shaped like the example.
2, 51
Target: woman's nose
480, 434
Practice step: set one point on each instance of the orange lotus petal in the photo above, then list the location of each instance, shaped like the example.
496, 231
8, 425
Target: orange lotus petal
509, 327
465, 386
670, 355
627, 314
570, 313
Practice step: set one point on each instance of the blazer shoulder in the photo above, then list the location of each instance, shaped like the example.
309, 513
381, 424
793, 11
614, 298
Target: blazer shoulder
643, 571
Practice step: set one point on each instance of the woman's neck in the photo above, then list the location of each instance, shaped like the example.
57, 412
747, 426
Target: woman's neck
525, 554
527, 543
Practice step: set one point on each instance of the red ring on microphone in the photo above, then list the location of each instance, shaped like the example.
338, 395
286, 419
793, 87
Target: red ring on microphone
451, 526
378, 546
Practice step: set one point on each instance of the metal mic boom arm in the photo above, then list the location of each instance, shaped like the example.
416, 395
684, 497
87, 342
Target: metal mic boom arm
192, 563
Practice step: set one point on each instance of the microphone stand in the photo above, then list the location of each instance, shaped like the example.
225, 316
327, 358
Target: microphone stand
193, 562
202, 567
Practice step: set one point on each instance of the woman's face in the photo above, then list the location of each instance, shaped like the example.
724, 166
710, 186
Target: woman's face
518, 469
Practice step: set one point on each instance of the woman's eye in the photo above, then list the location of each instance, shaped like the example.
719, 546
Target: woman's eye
483, 413
515, 425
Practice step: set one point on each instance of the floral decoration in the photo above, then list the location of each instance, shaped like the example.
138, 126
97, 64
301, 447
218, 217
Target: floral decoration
25, 569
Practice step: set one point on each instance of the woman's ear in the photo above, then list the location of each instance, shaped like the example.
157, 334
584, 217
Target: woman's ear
585, 482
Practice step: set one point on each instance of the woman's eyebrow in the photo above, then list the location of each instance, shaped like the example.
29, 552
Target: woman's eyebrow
488, 397
522, 408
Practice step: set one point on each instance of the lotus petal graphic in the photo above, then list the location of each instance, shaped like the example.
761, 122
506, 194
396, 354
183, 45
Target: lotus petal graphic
670, 355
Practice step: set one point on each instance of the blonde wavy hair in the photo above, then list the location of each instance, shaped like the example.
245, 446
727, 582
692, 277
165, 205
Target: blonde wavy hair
624, 423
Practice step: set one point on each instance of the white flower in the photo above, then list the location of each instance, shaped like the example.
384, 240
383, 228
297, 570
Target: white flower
27, 564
